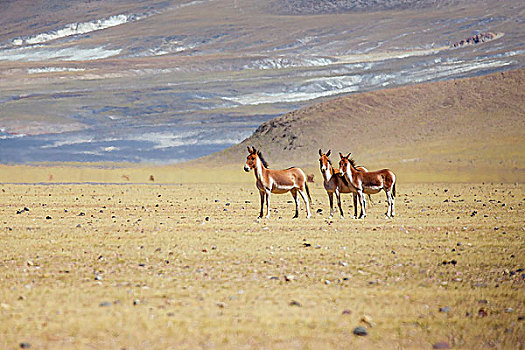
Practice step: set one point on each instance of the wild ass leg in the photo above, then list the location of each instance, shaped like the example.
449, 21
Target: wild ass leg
268, 204
338, 196
262, 203
392, 211
361, 196
306, 202
390, 199
331, 198
355, 205
295, 196
388, 203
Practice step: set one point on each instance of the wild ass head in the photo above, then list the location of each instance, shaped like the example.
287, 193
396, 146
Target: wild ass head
251, 160
345, 163
324, 161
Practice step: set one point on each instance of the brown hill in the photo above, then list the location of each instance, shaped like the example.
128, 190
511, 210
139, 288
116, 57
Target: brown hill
462, 130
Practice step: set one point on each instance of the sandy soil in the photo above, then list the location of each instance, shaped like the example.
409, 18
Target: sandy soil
189, 266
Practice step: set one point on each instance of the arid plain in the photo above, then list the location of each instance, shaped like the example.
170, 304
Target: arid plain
150, 255
189, 266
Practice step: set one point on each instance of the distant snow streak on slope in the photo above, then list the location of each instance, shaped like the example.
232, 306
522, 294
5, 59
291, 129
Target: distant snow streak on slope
53, 70
329, 86
91, 26
76, 29
43, 53
309, 90
288, 62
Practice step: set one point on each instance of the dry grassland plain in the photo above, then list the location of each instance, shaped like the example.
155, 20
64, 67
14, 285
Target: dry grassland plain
188, 265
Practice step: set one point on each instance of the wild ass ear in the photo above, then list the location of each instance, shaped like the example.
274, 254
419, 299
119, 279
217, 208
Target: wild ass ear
329, 152
348, 156
250, 150
253, 150
320, 152
341, 155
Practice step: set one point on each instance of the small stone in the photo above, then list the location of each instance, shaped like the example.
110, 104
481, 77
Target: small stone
25, 345
319, 211
136, 302
98, 278
444, 309
105, 303
346, 312
295, 303
441, 345
48, 217
360, 331
289, 278
482, 313
221, 305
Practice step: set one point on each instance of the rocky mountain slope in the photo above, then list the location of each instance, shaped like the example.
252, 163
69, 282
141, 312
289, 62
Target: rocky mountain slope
473, 125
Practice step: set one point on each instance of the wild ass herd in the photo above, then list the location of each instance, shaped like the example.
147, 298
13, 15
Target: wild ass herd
349, 178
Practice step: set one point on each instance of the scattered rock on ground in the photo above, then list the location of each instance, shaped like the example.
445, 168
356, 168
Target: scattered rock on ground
441, 345
360, 331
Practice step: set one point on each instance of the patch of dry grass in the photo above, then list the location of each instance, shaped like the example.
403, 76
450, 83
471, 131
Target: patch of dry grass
170, 278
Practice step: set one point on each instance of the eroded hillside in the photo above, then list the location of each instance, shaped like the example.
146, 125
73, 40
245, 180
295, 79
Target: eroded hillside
471, 125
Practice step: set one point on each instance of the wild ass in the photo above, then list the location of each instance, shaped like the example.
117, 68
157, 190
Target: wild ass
369, 183
335, 183
277, 181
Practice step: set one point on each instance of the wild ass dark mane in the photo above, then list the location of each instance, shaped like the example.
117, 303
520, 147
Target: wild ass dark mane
263, 161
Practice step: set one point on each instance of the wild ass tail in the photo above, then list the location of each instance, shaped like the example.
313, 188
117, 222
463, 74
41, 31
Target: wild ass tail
308, 193
394, 190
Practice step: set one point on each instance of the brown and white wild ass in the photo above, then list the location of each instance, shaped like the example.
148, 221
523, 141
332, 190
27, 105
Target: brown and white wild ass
270, 181
369, 183
335, 183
